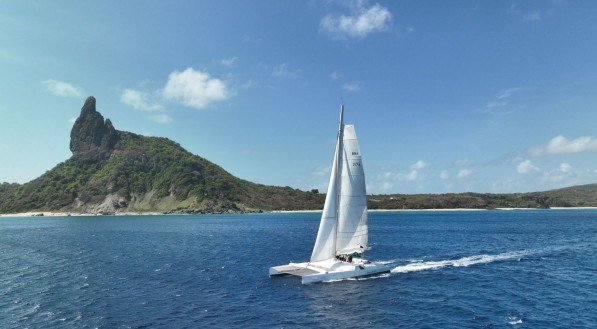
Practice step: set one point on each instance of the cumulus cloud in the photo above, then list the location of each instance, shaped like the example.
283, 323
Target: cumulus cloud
190, 88
410, 176
463, 173
194, 88
563, 173
418, 165
61, 88
561, 145
139, 100
526, 167
565, 167
161, 118
360, 23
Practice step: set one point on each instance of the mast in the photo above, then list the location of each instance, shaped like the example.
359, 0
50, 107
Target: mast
338, 172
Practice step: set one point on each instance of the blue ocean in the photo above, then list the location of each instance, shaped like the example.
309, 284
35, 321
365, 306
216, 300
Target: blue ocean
477, 269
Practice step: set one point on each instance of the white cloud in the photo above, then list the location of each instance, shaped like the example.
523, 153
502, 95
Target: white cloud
561, 145
527, 15
322, 171
508, 92
194, 88
161, 118
252, 40
139, 100
228, 61
362, 22
444, 175
565, 168
410, 176
562, 173
352, 86
249, 84
463, 173
386, 186
526, 167
499, 105
336, 75
61, 88
418, 165
532, 16
285, 71
491, 105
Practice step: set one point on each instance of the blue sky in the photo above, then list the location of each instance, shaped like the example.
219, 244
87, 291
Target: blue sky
445, 96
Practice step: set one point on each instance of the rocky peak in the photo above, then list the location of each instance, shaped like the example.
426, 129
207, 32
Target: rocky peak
92, 137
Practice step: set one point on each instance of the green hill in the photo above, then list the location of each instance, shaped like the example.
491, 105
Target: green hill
575, 196
114, 171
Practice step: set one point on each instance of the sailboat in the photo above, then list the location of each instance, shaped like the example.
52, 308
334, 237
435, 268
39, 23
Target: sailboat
343, 233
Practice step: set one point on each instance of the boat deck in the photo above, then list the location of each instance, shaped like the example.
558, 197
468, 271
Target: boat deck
329, 270
293, 270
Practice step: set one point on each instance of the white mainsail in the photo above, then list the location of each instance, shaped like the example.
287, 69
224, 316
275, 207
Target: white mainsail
343, 226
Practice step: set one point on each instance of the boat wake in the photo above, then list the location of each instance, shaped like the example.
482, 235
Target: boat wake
462, 262
418, 265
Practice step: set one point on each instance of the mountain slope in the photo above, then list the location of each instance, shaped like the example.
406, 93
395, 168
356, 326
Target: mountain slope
575, 196
114, 171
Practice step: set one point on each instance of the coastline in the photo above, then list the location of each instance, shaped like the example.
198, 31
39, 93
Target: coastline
75, 214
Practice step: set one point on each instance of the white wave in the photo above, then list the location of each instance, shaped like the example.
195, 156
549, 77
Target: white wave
514, 320
360, 278
461, 262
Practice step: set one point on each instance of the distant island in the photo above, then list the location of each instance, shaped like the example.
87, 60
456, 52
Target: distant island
112, 172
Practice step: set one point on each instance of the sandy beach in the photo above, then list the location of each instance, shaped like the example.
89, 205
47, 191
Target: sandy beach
67, 214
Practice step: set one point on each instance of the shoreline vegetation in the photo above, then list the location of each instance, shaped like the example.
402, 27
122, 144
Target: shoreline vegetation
75, 214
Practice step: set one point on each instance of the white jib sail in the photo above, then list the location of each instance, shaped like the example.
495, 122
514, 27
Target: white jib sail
325, 244
326, 236
352, 232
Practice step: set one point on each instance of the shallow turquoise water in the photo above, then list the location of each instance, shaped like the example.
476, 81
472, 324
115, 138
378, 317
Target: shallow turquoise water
489, 269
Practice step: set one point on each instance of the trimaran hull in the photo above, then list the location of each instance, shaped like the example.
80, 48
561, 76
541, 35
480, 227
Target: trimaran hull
330, 270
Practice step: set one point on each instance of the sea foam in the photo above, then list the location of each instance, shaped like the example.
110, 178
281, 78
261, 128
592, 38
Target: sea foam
461, 262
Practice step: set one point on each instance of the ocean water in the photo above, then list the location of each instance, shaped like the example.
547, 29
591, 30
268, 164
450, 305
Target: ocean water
488, 269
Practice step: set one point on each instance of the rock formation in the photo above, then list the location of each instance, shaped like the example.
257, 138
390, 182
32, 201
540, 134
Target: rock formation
92, 137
